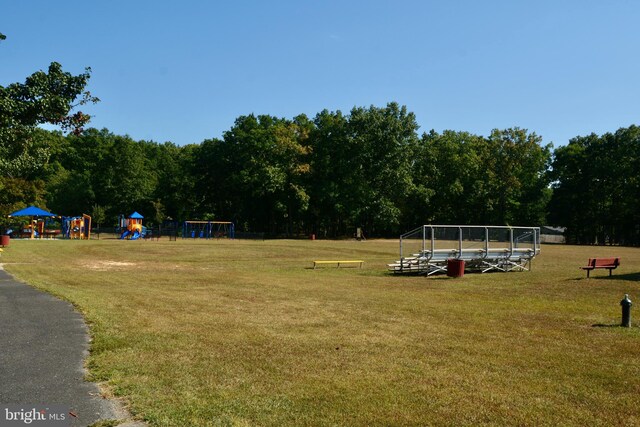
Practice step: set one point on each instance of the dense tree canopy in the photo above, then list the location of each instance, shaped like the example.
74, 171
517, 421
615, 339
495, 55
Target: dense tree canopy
326, 175
256, 173
44, 98
596, 188
361, 167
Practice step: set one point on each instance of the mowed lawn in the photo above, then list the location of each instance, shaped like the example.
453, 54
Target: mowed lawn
199, 333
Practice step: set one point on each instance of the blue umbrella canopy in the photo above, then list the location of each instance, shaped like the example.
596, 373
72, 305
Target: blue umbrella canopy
32, 211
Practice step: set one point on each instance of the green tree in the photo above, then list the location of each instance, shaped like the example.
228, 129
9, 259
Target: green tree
256, 174
385, 142
596, 186
331, 178
453, 181
45, 97
125, 177
175, 183
98, 167
520, 165
158, 215
468, 179
98, 214
362, 169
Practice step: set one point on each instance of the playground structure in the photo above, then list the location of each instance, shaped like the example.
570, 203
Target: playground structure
39, 224
34, 229
131, 228
78, 227
428, 249
208, 229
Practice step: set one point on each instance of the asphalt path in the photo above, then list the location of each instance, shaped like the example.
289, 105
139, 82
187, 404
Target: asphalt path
43, 344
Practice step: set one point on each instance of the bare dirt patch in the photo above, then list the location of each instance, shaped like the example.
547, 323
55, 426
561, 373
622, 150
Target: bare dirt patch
108, 265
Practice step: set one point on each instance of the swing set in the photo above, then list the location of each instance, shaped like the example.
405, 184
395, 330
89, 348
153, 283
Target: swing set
208, 230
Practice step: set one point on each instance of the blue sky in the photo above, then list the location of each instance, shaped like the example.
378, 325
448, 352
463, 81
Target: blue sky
183, 71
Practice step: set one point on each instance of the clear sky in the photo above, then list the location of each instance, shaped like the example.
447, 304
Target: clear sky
182, 71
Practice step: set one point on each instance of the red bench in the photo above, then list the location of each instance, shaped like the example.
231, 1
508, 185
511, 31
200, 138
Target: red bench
608, 263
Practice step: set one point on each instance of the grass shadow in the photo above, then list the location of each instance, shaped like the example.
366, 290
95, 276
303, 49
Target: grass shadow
634, 326
410, 276
632, 277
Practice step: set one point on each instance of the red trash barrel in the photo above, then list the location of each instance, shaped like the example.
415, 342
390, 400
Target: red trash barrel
455, 267
4, 240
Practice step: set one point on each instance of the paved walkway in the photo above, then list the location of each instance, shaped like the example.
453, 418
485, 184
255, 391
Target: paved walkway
43, 343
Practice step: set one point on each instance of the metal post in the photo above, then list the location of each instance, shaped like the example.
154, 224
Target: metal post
626, 311
511, 239
401, 257
486, 241
433, 239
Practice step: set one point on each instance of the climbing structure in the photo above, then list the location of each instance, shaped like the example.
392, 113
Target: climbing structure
131, 228
77, 227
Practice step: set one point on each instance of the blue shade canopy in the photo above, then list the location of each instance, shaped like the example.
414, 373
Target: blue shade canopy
136, 215
32, 211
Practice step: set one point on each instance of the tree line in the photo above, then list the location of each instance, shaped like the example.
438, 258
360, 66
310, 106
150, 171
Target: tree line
324, 175
596, 188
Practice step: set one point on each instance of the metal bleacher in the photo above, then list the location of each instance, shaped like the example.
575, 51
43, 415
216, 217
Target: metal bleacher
483, 248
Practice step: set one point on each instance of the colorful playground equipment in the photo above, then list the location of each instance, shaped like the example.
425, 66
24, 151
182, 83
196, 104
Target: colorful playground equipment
430, 249
36, 227
77, 227
131, 227
208, 229
33, 229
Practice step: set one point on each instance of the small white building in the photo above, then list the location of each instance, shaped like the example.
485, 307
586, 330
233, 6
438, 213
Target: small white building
550, 234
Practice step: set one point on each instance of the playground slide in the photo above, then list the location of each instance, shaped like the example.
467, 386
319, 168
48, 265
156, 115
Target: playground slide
125, 234
135, 235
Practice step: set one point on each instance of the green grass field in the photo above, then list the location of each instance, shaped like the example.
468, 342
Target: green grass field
246, 333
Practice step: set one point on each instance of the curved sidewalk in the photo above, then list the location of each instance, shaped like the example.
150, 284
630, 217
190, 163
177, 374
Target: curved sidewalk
43, 344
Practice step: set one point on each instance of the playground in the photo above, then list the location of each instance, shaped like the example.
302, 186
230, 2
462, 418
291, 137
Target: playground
35, 223
249, 333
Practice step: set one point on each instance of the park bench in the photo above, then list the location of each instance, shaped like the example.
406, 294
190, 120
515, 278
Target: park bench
338, 263
608, 263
